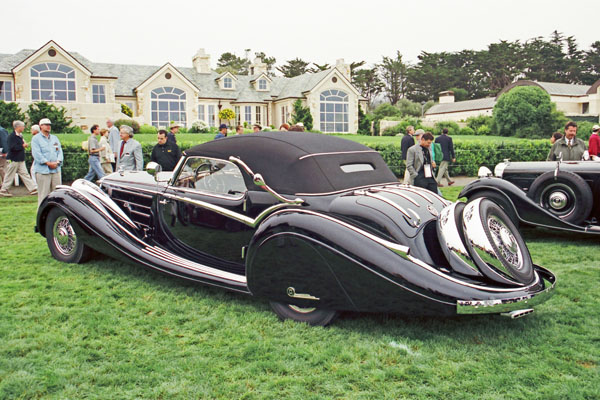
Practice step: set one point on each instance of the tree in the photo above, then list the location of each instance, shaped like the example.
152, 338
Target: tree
57, 115
393, 75
293, 68
319, 67
368, 83
229, 62
354, 67
364, 122
302, 114
591, 64
460, 94
10, 112
526, 111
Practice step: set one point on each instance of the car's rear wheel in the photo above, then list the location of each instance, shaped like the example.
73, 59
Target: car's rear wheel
62, 240
566, 195
312, 316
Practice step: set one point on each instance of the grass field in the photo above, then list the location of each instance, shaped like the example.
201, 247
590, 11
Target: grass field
105, 329
192, 138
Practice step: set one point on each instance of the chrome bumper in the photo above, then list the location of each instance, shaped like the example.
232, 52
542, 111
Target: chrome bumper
511, 304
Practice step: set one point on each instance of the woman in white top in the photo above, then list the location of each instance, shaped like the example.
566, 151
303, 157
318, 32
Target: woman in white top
106, 156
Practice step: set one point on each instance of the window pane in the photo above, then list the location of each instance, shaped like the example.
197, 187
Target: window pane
163, 105
47, 95
60, 85
163, 116
71, 96
64, 68
35, 84
60, 96
53, 74
71, 85
35, 95
52, 66
339, 127
46, 84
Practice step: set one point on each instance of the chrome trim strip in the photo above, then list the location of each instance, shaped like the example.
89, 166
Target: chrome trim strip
486, 288
182, 262
412, 189
381, 198
133, 189
84, 187
397, 193
337, 152
505, 305
251, 222
416, 189
346, 190
242, 164
207, 194
131, 192
396, 248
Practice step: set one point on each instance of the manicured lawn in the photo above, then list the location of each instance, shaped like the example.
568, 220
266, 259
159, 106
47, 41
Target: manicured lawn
105, 329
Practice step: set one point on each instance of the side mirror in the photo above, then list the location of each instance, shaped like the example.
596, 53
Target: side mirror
153, 168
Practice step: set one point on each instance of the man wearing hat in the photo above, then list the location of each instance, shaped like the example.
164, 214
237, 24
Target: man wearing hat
222, 132
594, 142
48, 158
129, 157
174, 130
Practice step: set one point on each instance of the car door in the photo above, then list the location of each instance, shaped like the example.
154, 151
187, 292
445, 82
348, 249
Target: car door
203, 214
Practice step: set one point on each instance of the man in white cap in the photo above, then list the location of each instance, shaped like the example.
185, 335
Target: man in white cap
48, 158
594, 142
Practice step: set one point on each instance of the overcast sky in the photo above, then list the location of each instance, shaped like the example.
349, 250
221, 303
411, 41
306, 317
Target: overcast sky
153, 32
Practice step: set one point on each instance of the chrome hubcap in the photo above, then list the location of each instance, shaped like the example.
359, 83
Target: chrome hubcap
558, 200
64, 236
506, 242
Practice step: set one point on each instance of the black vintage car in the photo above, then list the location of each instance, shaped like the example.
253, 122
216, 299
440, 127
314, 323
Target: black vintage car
313, 223
556, 194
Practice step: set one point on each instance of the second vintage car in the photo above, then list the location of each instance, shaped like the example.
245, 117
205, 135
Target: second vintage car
555, 194
313, 223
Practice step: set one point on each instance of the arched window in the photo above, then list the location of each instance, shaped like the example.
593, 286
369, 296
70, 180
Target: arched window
168, 105
228, 83
334, 111
52, 82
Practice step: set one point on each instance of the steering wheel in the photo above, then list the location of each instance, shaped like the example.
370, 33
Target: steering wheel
207, 178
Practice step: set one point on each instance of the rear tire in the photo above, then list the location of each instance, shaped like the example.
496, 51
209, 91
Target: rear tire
501, 201
312, 316
62, 240
567, 196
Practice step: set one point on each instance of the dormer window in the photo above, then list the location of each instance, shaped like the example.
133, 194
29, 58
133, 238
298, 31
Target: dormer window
262, 84
227, 83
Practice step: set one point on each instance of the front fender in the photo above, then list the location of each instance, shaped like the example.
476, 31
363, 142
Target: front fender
523, 207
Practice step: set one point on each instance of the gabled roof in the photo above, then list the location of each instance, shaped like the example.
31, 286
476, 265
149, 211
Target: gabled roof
48, 45
459, 106
166, 67
261, 75
552, 88
224, 74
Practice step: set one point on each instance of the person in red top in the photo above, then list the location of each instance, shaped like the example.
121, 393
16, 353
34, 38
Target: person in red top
594, 143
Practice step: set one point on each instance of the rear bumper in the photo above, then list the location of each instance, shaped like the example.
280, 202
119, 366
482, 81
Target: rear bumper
511, 303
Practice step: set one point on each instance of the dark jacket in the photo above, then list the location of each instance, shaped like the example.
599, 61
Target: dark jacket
447, 147
16, 152
171, 137
407, 142
4, 140
166, 155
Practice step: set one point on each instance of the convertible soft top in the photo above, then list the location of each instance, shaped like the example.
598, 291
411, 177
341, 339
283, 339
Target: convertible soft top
302, 162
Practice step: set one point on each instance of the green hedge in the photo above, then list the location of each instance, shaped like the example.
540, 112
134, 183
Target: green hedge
469, 156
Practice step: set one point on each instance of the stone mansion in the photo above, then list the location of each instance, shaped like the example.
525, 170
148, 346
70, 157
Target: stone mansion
92, 92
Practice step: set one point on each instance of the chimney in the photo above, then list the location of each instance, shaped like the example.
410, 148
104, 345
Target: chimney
447, 97
201, 62
344, 68
257, 67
